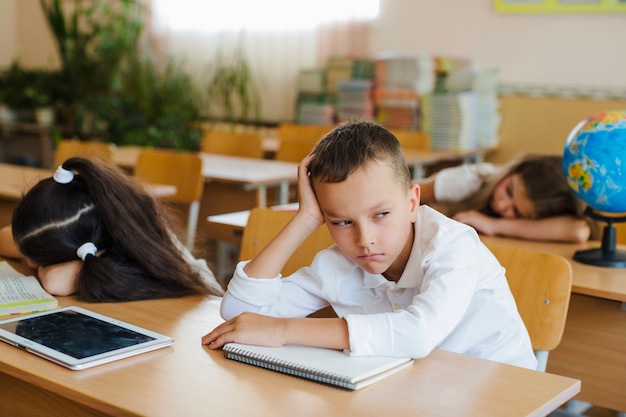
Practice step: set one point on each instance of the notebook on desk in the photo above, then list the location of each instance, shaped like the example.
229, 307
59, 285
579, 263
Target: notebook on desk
327, 366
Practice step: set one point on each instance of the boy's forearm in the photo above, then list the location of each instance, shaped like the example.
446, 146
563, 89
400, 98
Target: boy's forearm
329, 333
270, 260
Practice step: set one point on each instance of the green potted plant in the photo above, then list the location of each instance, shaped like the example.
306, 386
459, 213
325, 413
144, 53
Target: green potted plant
93, 38
7, 115
155, 105
43, 93
16, 79
232, 92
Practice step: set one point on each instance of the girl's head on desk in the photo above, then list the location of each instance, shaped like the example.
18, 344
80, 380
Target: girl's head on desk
95, 231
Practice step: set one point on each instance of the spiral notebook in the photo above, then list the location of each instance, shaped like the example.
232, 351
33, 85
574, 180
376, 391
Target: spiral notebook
327, 366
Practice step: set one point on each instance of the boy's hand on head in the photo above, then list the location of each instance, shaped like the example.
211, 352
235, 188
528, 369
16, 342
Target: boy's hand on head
306, 196
481, 222
248, 328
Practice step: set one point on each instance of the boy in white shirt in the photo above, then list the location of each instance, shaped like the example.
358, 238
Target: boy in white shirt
403, 279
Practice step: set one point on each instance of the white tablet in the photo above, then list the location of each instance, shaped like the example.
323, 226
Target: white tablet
78, 338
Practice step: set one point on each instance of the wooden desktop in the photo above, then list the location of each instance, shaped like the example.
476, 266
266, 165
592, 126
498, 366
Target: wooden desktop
189, 379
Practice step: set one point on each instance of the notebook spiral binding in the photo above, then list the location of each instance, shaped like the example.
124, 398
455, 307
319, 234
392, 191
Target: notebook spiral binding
289, 368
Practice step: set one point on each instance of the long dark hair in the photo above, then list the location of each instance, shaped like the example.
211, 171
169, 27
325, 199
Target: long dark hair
138, 258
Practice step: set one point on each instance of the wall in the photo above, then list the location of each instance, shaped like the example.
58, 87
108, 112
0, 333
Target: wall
8, 32
562, 49
573, 55
24, 35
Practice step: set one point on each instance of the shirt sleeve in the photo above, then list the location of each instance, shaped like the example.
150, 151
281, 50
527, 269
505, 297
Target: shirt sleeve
294, 296
457, 183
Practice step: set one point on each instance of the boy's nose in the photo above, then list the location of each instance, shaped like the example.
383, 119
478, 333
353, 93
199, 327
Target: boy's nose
364, 236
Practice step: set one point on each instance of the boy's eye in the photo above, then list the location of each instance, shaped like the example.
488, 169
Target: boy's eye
382, 214
342, 222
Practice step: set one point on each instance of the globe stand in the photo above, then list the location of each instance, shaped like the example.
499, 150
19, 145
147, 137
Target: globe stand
607, 254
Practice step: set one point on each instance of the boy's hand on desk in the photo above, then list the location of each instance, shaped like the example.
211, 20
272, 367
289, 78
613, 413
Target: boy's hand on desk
247, 328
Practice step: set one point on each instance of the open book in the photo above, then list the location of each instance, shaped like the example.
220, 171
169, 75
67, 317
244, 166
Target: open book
327, 366
20, 294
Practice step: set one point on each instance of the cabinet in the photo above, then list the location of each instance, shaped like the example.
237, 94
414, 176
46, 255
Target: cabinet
26, 144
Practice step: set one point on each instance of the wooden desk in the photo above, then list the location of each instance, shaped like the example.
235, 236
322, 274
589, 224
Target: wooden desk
593, 348
188, 379
417, 160
608, 283
250, 173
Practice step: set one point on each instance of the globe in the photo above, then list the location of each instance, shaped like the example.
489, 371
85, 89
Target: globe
594, 164
594, 161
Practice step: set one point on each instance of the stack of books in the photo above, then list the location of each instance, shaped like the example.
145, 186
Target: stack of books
451, 120
400, 81
338, 69
313, 104
463, 112
355, 100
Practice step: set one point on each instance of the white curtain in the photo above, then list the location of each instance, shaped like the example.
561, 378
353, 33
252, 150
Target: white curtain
277, 37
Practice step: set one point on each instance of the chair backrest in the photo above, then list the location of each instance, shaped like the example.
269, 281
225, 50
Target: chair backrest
245, 144
541, 284
265, 223
297, 140
412, 139
180, 169
168, 167
68, 148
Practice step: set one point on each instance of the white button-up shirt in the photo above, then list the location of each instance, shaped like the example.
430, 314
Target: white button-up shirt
452, 295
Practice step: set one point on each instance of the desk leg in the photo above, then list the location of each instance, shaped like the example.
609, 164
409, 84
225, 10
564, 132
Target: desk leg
283, 197
261, 194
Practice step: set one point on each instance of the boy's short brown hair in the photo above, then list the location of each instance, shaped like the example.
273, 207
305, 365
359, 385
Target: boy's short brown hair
352, 145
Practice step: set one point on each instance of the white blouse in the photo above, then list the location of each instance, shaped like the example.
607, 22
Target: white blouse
453, 295
459, 182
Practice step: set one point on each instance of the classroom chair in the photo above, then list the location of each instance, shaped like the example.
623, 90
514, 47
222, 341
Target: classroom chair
412, 140
68, 148
264, 223
180, 169
244, 144
297, 140
541, 284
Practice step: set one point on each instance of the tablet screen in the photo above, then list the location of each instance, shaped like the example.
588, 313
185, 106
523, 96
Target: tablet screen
78, 338
76, 334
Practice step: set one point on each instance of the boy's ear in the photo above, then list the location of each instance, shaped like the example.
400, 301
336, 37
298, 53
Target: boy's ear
414, 198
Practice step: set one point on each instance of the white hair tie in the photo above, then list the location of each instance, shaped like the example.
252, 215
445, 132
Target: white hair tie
63, 176
88, 248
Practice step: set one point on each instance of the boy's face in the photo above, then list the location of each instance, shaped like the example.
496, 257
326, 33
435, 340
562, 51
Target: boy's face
370, 217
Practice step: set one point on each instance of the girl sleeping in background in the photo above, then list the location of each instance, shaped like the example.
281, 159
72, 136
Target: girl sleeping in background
527, 198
